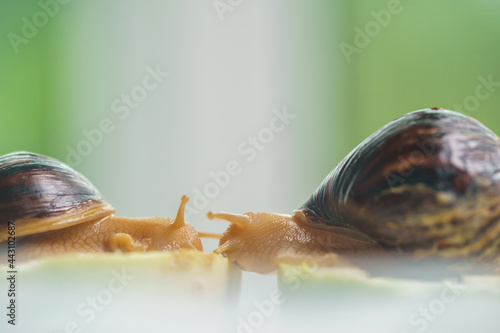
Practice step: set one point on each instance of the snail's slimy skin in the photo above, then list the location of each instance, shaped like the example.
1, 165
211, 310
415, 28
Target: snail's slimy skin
258, 241
114, 234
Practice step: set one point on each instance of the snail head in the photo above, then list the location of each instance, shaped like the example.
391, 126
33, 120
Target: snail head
256, 241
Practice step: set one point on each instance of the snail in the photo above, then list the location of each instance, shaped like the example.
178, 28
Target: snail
48, 208
424, 186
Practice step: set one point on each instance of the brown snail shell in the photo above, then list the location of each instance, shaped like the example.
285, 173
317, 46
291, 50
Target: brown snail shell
41, 194
428, 182
426, 185
54, 209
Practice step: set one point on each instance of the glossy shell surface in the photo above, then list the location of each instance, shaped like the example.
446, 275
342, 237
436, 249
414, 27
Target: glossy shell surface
428, 181
34, 188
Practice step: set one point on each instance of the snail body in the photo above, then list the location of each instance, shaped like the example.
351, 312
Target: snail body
426, 185
52, 209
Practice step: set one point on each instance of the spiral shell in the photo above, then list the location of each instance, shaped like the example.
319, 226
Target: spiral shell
40, 194
427, 183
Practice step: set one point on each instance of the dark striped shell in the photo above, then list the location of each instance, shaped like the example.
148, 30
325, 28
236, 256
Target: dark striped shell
40, 193
427, 183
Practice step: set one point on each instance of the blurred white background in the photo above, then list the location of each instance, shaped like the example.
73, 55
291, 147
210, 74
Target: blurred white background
226, 81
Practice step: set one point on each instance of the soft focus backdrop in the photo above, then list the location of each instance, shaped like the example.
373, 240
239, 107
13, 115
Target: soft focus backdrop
153, 99
244, 105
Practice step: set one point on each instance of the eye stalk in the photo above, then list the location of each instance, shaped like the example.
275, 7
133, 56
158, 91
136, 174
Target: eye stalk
238, 219
179, 219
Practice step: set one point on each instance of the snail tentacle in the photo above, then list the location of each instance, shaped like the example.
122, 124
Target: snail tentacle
179, 219
238, 219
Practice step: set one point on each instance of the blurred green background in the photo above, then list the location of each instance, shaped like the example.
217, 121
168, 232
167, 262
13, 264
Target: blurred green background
339, 69
342, 68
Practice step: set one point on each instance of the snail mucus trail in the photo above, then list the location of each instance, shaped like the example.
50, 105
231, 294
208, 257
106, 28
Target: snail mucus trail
447, 208
57, 210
